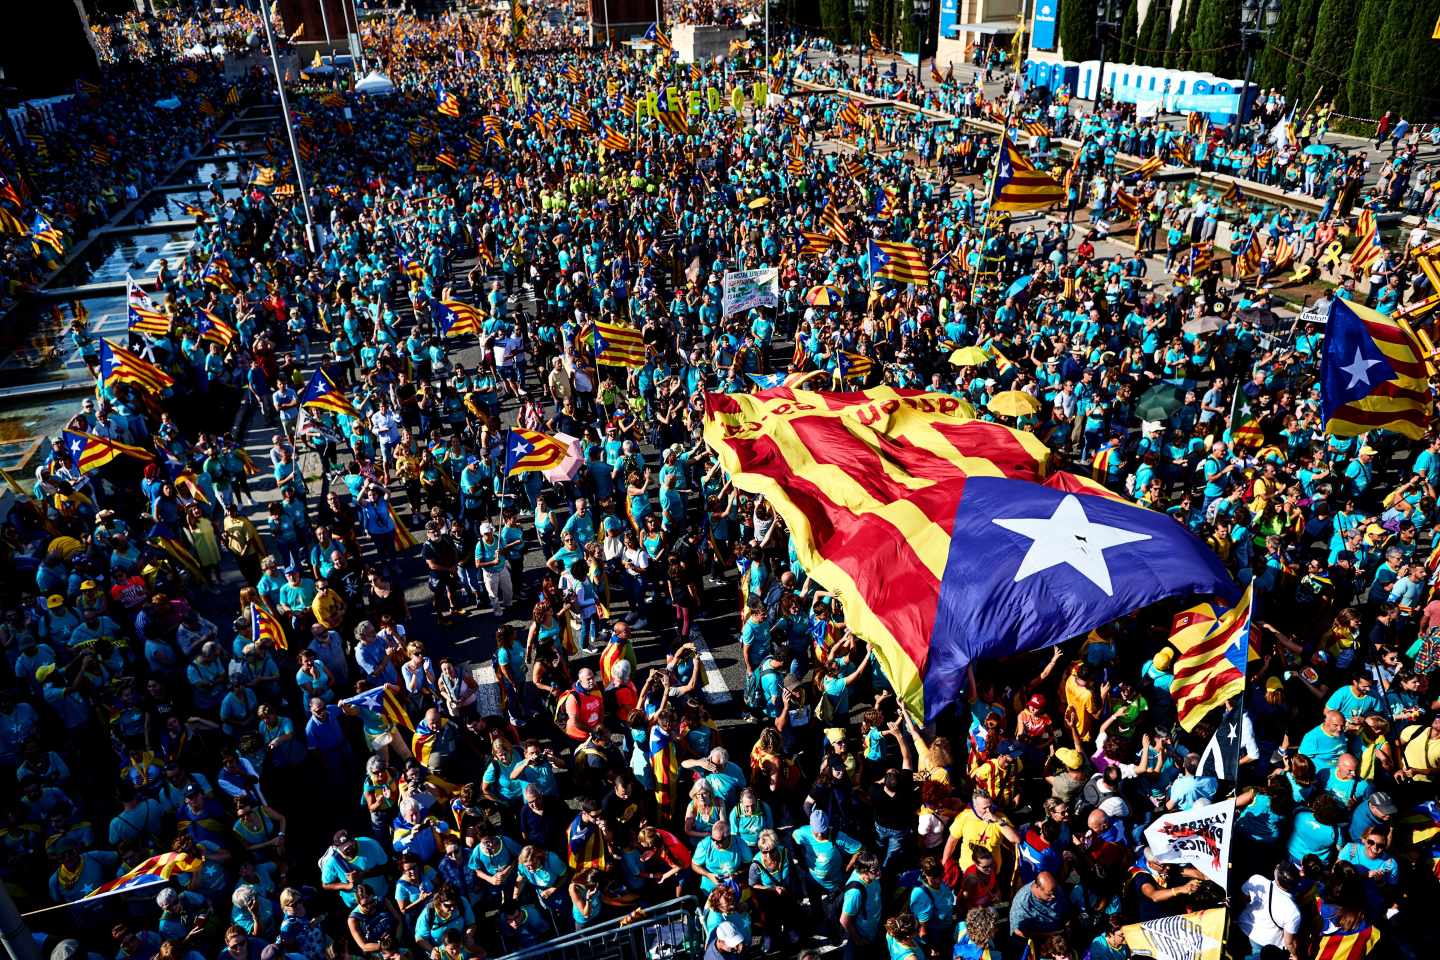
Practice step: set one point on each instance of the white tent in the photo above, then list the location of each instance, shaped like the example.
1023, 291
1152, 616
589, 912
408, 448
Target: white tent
375, 83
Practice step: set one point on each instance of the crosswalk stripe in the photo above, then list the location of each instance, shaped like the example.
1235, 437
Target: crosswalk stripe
717, 691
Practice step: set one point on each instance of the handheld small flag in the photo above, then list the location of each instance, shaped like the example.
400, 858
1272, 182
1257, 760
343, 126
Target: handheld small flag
1213, 670
1244, 428
530, 450
321, 393
381, 700
215, 330
264, 625
1019, 186
89, 452
613, 140
159, 869
447, 104
901, 262
454, 318
1372, 374
122, 366
618, 346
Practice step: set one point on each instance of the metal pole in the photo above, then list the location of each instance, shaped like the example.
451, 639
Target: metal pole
607, 24
325, 21
767, 38
359, 51
14, 934
310, 240
1240, 116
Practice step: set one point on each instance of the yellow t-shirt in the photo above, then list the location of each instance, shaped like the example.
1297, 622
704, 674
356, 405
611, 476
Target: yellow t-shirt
1422, 751
969, 829
1085, 703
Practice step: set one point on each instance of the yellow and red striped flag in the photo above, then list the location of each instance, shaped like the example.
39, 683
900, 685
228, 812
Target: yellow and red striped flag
617, 345
816, 244
89, 452
1369, 249
122, 366
531, 450
160, 868
1340, 944
901, 262
382, 700
212, 328
1372, 374
1212, 670
264, 625
1150, 167
614, 140
1019, 186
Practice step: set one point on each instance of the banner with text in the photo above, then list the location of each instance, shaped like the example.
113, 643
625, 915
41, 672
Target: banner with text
1199, 837
747, 289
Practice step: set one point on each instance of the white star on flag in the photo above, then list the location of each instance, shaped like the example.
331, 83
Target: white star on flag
1068, 536
1359, 370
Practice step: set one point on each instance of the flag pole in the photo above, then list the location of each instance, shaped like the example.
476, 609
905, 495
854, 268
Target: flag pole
310, 239
995, 173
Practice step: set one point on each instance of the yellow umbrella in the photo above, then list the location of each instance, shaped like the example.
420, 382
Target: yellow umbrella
969, 357
759, 202
1013, 403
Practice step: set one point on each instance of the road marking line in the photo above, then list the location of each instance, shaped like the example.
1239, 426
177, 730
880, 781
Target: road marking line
717, 691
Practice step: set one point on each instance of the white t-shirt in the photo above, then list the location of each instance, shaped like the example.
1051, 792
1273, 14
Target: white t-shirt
1269, 912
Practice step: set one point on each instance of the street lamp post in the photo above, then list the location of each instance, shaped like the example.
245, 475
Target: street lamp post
1257, 19
862, 11
920, 14
1107, 19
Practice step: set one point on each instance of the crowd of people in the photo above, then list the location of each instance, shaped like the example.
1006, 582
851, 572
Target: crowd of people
233, 653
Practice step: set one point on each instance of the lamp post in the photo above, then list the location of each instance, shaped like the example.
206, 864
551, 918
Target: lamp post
311, 241
862, 11
1257, 19
920, 14
1107, 20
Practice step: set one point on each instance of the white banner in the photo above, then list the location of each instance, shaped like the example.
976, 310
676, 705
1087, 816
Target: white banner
1199, 837
746, 289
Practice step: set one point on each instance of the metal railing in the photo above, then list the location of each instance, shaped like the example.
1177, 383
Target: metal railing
667, 930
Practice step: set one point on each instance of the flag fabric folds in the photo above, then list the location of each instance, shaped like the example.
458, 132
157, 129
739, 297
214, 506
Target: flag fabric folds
455, 318
1339, 944
1372, 374
89, 452
854, 366
1211, 666
447, 104
657, 36
1019, 186
617, 345
612, 139
1187, 936
902, 262
1369, 249
264, 625
382, 700
173, 547
122, 366
321, 393
1244, 428
530, 450
157, 869
886, 493
212, 328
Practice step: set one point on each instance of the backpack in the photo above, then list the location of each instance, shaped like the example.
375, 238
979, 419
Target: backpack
834, 904
755, 688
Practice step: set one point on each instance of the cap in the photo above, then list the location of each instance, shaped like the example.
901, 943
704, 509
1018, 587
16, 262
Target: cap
728, 935
1381, 803
1036, 702
43, 671
834, 735
819, 821
1070, 757
487, 527
1164, 658
88, 585
1274, 684
55, 601
193, 790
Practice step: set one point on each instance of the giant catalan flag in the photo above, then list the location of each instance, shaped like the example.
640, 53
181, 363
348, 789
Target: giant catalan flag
1019, 186
1211, 666
947, 538
1372, 374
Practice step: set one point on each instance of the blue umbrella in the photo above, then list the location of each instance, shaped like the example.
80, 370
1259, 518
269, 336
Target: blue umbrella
1318, 149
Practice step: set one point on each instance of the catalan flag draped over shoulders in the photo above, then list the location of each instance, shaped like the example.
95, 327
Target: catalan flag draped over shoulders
617, 345
887, 493
1337, 943
902, 262
122, 366
529, 450
1019, 186
1211, 666
1372, 374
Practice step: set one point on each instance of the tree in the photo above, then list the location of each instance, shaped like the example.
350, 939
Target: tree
1301, 45
1365, 56
1271, 60
1174, 47
835, 18
1129, 31
1077, 29
1417, 75
1150, 42
1329, 58
1186, 57
1215, 40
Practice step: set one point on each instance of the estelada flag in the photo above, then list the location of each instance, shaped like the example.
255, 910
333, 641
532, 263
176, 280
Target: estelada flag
122, 366
1019, 186
264, 625
1372, 374
1212, 670
888, 492
160, 868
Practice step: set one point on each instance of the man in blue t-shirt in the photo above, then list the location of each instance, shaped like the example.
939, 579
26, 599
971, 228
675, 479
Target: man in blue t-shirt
828, 854
861, 909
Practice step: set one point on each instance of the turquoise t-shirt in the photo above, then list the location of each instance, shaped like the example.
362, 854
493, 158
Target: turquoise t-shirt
825, 859
864, 903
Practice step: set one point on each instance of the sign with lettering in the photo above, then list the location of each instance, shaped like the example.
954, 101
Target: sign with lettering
1198, 837
1189, 936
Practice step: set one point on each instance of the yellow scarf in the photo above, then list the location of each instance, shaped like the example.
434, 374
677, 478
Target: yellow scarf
68, 877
